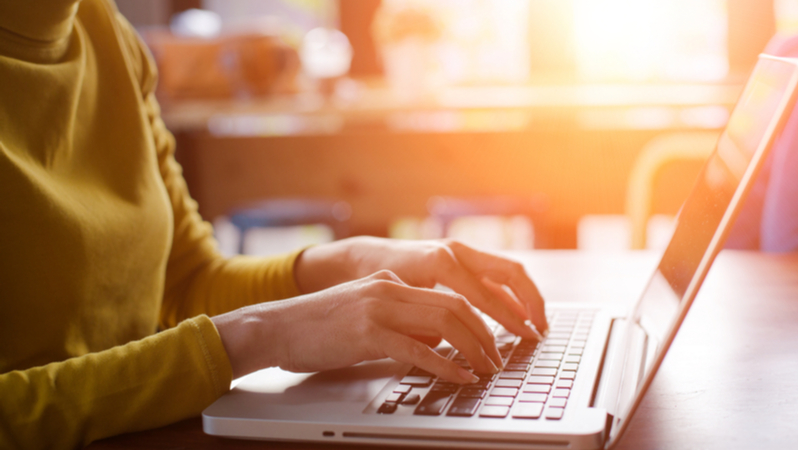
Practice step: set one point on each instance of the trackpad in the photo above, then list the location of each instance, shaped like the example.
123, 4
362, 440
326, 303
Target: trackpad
275, 391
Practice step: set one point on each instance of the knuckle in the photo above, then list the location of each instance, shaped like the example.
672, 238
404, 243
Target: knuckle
442, 257
384, 274
461, 304
381, 286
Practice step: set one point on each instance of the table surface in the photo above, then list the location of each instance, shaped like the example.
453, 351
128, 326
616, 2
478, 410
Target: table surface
729, 381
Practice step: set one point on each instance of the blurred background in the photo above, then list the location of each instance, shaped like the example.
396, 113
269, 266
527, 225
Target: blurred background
509, 124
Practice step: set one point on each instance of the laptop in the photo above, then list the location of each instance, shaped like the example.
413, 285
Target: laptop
577, 389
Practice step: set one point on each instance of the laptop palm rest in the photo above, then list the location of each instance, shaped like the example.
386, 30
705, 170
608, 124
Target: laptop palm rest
280, 395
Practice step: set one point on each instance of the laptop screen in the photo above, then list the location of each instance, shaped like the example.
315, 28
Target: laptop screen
751, 125
707, 214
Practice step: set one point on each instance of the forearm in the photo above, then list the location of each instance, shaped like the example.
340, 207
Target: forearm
144, 384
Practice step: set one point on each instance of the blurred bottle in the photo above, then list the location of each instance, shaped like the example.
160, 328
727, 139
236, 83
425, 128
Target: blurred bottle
406, 35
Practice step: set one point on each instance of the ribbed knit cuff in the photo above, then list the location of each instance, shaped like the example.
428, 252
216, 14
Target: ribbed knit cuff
217, 361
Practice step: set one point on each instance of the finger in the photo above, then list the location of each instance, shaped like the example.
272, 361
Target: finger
499, 292
460, 307
430, 341
504, 271
407, 350
425, 320
386, 275
459, 279
502, 293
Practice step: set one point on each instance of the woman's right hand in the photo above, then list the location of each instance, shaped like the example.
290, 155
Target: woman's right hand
362, 320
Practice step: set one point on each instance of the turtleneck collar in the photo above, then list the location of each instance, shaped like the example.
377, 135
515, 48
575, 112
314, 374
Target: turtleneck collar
40, 21
37, 31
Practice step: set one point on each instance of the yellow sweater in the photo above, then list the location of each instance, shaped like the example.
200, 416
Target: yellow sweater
100, 242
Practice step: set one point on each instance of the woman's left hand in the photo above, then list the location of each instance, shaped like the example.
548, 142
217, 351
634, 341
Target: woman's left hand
498, 286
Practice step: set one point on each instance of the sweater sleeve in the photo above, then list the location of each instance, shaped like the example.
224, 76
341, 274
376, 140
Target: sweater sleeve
198, 279
74, 402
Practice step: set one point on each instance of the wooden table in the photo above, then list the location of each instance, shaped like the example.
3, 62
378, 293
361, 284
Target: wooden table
728, 382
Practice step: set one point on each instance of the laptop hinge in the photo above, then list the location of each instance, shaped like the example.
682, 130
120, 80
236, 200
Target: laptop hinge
623, 367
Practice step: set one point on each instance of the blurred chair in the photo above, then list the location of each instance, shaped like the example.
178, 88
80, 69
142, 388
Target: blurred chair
448, 211
657, 154
291, 212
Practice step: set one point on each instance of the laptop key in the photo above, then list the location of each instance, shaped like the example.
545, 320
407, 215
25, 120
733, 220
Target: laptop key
472, 393
525, 351
504, 392
412, 399
567, 376
553, 364
512, 375
563, 393
402, 388
558, 402
494, 411
564, 384
433, 404
559, 335
464, 407
481, 384
554, 348
387, 408
550, 356
572, 359
540, 388
527, 410
499, 401
394, 397
544, 371
540, 380
569, 367
532, 397
444, 386
520, 359
516, 384
416, 381
554, 413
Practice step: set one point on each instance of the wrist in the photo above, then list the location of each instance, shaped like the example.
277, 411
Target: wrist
249, 339
326, 265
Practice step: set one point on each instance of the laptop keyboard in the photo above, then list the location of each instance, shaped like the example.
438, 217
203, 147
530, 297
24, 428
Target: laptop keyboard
535, 381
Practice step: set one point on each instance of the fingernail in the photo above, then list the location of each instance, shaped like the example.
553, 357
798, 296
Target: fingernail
529, 324
492, 366
467, 376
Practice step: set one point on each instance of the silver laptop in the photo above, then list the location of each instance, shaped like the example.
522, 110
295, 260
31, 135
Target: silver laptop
580, 387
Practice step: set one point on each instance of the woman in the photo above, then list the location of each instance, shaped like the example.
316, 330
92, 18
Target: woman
101, 245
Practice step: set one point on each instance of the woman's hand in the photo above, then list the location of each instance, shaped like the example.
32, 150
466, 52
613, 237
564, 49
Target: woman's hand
367, 319
495, 285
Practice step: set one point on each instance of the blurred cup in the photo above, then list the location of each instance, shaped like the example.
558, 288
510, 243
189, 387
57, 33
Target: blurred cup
326, 53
